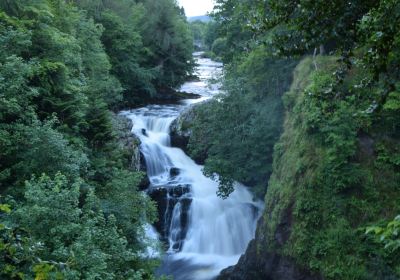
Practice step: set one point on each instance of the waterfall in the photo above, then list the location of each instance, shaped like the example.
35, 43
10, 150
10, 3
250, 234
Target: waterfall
204, 232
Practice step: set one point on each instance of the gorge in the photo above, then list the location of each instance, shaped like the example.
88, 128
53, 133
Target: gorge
298, 100
204, 233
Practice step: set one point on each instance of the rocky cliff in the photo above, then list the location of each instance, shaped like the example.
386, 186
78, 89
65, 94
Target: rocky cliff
181, 130
325, 190
258, 263
130, 142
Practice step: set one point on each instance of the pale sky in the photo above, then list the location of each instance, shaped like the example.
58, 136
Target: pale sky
196, 7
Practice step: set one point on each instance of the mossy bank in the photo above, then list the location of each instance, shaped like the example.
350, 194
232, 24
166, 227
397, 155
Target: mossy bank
332, 178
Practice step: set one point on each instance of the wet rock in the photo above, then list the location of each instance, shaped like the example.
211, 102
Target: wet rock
177, 246
142, 163
267, 266
144, 183
259, 263
179, 141
181, 129
127, 140
182, 229
172, 96
179, 191
130, 142
167, 197
173, 172
186, 202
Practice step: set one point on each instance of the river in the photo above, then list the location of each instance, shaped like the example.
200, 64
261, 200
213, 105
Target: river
204, 233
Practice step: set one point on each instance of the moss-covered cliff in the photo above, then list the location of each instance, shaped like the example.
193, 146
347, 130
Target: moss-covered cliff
334, 174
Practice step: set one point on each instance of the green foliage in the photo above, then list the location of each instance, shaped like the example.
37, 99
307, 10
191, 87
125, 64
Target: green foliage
19, 251
97, 66
232, 18
99, 131
198, 30
167, 36
132, 210
63, 66
335, 168
388, 235
250, 115
299, 26
81, 242
381, 39
16, 95
50, 212
40, 149
219, 46
326, 176
211, 33
123, 45
204, 34
149, 45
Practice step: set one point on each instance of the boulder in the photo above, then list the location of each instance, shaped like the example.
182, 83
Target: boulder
181, 126
167, 197
130, 142
173, 172
144, 183
258, 263
181, 129
123, 127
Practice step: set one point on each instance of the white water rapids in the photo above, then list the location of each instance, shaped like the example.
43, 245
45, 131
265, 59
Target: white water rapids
217, 231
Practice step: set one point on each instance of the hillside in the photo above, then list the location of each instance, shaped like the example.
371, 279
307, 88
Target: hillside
204, 18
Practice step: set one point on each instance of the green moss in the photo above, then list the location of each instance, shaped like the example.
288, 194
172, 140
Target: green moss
326, 183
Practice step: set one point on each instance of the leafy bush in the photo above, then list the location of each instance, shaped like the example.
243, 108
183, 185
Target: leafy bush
250, 115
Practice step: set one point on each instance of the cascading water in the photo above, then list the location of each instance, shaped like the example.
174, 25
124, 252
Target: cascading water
205, 233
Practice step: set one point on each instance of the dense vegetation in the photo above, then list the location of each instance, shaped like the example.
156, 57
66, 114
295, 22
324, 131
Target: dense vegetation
309, 117
251, 111
205, 35
335, 186
70, 205
255, 84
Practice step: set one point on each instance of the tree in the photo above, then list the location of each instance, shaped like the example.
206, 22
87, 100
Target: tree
39, 148
132, 210
99, 83
81, 242
99, 131
387, 235
166, 33
124, 47
250, 114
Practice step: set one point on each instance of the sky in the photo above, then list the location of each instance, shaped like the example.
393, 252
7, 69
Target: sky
196, 7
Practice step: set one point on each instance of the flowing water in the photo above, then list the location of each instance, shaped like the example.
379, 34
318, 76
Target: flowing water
204, 233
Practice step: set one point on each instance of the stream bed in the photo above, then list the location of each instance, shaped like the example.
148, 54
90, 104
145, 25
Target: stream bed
204, 233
